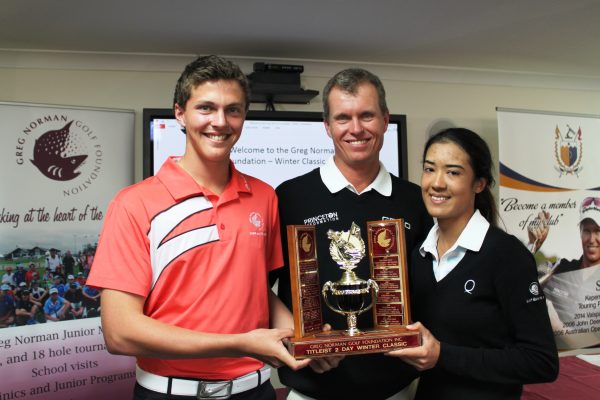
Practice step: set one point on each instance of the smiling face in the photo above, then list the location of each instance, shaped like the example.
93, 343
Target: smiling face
449, 185
213, 118
357, 125
590, 242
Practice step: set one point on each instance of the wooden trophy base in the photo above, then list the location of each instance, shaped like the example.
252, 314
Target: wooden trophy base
340, 343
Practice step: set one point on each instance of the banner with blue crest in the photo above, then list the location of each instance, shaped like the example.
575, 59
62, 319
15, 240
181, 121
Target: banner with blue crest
550, 200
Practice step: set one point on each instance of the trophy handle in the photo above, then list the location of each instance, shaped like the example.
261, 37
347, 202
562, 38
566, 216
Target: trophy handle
371, 284
327, 287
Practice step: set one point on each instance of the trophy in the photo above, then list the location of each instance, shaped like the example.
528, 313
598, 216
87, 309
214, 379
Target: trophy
351, 294
386, 293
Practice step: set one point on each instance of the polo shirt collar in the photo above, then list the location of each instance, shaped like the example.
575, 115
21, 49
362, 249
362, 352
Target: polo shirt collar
181, 184
335, 181
471, 238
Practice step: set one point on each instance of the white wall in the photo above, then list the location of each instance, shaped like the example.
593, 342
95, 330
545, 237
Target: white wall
432, 98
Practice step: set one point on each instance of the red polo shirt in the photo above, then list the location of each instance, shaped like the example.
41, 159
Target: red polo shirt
200, 260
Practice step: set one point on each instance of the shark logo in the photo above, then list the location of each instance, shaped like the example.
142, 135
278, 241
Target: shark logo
53, 154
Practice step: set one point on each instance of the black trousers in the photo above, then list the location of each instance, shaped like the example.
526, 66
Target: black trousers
262, 392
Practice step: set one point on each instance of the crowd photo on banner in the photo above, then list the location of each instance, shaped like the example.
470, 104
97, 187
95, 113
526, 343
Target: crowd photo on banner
47, 285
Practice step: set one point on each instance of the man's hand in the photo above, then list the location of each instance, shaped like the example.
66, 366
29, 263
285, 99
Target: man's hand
324, 364
537, 231
423, 357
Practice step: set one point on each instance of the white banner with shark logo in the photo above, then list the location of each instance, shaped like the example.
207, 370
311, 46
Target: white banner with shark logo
550, 200
59, 169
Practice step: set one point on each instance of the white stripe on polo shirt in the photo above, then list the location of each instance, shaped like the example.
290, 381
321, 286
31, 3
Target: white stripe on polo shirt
162, 253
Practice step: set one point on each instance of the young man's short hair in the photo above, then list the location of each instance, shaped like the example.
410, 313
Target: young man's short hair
208, 68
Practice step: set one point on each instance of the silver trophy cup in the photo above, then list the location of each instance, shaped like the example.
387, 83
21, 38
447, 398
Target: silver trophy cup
351, 295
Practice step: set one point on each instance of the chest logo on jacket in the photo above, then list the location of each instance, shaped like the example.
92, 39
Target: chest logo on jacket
469, 286
534, 289
321, 219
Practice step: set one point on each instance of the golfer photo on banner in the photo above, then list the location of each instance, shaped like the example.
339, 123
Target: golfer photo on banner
550, 199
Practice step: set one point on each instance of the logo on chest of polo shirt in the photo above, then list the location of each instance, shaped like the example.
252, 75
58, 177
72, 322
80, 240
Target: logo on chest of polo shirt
257, 222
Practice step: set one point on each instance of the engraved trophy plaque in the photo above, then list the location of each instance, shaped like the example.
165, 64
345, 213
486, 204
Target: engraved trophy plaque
350, 295
306, 304
387, 257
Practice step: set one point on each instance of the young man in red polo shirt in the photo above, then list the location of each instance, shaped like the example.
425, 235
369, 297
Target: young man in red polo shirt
183, 258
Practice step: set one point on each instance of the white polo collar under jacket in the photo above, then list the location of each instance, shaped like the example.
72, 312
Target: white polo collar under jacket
335, 181
471, 238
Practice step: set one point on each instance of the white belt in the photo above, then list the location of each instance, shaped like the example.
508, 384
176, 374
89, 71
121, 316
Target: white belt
202, 389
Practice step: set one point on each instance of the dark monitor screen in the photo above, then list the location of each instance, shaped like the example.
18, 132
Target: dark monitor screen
274, 146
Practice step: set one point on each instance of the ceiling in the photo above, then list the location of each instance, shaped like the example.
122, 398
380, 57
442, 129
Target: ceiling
556, 37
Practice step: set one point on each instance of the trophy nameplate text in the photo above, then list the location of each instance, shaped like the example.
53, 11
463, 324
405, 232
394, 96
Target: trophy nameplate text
306, 289
387, 257
351, 295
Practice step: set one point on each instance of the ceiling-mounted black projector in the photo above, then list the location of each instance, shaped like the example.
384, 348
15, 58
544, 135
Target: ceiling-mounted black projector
278, 83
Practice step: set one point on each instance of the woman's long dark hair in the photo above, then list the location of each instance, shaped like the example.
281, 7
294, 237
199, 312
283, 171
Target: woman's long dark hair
480, 159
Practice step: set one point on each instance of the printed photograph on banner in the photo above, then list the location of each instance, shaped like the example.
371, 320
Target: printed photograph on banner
59, 169
550, 200
40, 286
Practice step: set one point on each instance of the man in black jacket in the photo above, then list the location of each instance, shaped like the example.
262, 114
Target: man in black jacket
353, 186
